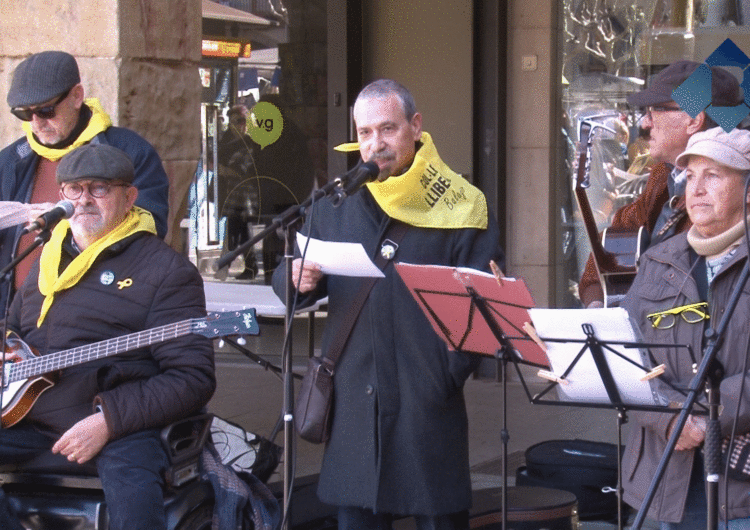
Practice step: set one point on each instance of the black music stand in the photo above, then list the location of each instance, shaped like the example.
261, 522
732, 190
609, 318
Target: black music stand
615, 375
478, 313
503, 305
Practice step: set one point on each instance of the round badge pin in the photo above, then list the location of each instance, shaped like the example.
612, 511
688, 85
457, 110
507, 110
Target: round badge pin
107, 278
388, 251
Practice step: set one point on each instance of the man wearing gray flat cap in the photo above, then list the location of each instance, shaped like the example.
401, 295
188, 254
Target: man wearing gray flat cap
104, 274
46, 94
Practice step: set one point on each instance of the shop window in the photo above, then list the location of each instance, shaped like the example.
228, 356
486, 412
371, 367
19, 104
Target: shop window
609, 49
265, 129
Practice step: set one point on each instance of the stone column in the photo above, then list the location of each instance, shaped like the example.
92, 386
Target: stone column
140, 59
531, 182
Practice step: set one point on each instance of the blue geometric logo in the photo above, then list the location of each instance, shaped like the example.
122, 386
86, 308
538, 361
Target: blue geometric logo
694, 94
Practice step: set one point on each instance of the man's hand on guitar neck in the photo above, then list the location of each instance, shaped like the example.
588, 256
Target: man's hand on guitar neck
84, 440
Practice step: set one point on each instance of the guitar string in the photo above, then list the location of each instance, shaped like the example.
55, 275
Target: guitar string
80, 354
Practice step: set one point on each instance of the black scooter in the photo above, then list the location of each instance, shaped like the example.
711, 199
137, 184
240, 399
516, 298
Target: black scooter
51, 493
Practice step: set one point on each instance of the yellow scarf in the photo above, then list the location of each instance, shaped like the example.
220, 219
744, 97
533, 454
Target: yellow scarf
429, 194
99, 122
137, 220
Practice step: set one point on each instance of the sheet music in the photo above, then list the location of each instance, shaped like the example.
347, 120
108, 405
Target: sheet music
584, 381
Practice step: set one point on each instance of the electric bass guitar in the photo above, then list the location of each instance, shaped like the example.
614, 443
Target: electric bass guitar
25, 380
616, 254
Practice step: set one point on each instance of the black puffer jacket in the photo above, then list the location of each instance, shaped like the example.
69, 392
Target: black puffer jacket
136, 284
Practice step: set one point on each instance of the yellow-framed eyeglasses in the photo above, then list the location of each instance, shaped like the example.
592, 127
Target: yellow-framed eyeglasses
691, 313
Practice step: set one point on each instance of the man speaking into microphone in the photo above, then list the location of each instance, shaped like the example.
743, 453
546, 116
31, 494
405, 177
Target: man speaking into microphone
399, 437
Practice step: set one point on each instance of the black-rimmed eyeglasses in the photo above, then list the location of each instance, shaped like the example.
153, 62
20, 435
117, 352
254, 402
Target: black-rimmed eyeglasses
96, 188
46, 113
659, 108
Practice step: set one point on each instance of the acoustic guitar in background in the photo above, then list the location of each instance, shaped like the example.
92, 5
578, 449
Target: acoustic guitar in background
616, 254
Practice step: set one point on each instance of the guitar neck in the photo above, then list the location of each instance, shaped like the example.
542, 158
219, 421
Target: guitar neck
600, 254
602, 258
45, 364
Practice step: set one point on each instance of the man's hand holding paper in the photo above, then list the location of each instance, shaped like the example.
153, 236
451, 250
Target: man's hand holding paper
15, 213
311, 275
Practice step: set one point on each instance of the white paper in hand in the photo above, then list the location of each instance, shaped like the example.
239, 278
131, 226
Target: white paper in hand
13, 213
344, 259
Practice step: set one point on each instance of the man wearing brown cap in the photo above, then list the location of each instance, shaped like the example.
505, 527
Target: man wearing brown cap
47, 96
661, 207
103, 274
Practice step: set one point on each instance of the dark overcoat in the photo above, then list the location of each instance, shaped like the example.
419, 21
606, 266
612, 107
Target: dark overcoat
399, 440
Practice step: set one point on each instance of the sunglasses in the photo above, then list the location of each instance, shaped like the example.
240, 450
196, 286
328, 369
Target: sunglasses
692, 314
46, 113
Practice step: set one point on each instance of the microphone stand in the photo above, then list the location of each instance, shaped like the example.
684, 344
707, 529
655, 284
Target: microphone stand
39, 240
713, 342
6, 276
287, 221
286, 218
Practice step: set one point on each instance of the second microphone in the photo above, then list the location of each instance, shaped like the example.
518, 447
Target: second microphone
62, 210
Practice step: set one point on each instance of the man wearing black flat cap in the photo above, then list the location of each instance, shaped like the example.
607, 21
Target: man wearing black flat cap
47, 96
104, 274
661, 206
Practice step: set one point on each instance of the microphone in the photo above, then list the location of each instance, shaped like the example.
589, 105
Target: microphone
355, 179
62, 210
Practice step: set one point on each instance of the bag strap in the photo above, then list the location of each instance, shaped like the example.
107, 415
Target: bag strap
395, 233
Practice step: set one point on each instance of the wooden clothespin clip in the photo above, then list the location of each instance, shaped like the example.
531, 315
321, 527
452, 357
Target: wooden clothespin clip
531, 332
656, 372
497, 272
549, 376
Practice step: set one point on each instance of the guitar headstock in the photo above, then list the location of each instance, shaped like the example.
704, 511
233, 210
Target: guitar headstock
584, 147
587, 127
227, 323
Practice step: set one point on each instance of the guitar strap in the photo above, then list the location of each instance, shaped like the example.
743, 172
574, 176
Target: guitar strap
667, 231
699, 273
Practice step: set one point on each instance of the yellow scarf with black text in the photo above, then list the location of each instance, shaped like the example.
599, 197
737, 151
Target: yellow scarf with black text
99, 122
50, 279
429, 194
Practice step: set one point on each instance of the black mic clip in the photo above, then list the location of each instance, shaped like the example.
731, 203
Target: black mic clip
338, 194
350, 183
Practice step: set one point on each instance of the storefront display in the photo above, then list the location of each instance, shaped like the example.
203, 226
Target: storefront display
609, 49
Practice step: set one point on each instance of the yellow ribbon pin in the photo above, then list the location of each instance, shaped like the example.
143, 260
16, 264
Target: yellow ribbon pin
124, 283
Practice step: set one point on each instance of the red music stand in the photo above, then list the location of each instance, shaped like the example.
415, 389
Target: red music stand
447, 296
477, 312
